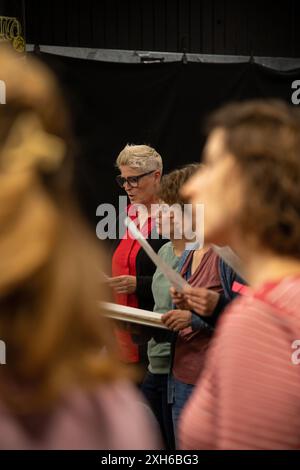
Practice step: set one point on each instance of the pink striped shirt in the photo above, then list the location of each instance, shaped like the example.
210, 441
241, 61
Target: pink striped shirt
249, 394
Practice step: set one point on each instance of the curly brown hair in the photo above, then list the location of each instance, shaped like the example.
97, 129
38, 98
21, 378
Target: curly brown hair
264, 139
172, 183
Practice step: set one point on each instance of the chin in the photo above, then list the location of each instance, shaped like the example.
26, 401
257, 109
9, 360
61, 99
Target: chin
132, 200
215, 236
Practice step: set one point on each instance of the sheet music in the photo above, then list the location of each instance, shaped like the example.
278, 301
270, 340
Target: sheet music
231, 258
132, 315
174, 278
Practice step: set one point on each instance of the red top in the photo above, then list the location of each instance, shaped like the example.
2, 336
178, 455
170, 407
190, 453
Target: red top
249, 394
124, 263
191, 346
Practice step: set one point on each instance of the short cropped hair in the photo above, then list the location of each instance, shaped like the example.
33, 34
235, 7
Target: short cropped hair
172, 183
264, 139
140, 157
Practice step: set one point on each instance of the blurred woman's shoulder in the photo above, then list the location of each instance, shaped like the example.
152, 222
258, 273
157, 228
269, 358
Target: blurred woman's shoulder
111, 416
273, 306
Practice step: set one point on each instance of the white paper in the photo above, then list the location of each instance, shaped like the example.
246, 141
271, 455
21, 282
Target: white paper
173, 276
132, 315
231, 258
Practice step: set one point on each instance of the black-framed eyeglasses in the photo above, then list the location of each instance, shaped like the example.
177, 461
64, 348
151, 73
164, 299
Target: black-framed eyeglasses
133, 181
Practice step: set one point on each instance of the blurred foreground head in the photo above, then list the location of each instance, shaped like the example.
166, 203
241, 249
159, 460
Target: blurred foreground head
250, 183
49, 319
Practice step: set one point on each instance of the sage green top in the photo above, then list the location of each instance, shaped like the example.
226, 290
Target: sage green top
159, 354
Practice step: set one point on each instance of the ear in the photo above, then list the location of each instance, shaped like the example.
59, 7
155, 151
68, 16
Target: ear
158, 175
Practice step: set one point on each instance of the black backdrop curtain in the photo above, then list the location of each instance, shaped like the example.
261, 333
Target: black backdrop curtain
163, 105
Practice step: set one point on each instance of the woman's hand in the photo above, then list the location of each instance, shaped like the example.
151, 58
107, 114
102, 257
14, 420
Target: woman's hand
179, 299
202, 301
123, 284
177, 320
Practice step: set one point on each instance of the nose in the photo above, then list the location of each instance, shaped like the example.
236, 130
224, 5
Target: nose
126, 186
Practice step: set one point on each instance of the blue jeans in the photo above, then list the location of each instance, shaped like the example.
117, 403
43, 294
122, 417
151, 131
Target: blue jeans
155, 389
181, 394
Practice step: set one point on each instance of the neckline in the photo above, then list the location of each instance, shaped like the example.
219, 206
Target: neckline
189, 263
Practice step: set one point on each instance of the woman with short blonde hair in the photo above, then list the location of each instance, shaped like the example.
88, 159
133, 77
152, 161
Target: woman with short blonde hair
140, 169
141, 157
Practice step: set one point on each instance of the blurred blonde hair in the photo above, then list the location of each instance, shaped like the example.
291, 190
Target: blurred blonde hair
140, 157
49, 319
